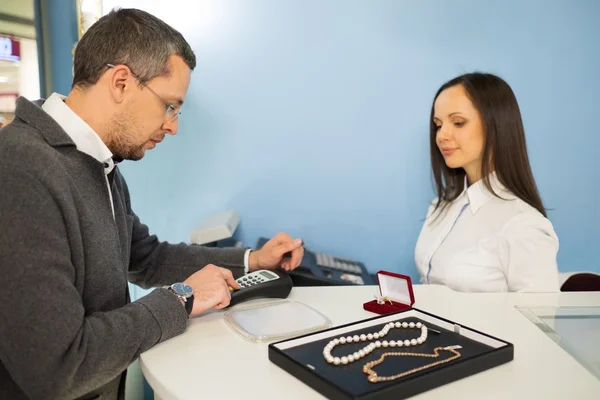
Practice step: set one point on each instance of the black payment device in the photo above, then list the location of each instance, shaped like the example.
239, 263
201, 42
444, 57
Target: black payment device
321, 269
262, 284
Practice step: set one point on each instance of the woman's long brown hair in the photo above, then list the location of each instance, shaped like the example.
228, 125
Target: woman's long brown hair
504, 143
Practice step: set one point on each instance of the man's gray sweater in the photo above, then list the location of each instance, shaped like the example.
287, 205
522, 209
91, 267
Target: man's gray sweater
67, 326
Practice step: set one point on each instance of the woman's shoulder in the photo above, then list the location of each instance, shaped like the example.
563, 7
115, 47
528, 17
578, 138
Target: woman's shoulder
526, 220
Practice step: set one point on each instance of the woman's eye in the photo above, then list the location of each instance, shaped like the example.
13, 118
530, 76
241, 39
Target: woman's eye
437, 127
459, 124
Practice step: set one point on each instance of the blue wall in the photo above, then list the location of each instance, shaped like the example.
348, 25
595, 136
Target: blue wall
311, 117
56, 24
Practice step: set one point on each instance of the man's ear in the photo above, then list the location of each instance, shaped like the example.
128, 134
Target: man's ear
120, 81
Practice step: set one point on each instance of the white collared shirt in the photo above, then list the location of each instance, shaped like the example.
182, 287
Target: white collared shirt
85, 138
485, 244
87, 141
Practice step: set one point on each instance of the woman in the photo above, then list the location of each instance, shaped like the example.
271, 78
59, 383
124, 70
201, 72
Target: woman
487, 231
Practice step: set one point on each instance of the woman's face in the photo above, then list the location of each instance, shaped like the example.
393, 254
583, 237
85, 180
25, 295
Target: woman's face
460, 135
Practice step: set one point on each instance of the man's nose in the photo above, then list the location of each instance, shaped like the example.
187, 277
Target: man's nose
171, 127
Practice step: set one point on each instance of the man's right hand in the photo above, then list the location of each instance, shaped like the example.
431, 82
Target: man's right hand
211, 288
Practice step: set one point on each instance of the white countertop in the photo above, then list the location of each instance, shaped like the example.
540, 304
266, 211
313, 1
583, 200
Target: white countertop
211, 361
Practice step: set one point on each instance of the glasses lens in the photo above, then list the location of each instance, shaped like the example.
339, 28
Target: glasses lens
172, 114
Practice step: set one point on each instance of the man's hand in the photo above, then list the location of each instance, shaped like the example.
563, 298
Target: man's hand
211, 288
281, 250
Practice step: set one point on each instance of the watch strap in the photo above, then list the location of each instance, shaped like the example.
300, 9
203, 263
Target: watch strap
189, 304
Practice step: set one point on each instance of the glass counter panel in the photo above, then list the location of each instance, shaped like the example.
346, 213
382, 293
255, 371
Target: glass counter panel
575, 329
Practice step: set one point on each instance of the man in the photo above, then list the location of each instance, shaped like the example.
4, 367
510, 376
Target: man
69, 240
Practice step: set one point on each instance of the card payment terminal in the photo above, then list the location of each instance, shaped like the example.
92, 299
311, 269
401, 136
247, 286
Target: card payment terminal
262, 283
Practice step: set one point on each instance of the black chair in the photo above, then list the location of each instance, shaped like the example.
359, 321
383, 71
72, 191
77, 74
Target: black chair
582, 282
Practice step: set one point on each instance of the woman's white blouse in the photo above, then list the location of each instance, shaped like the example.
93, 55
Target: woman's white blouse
485, 244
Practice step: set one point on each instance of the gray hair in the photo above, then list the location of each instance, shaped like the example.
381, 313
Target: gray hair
131, 37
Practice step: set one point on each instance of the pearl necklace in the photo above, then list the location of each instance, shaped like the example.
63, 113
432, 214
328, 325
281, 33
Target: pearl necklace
372, 346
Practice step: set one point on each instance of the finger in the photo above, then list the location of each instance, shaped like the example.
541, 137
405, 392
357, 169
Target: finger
288, 246
227, 291
222, 297
209, 303
228, 276
226, 297
282, 237
275, 241
285, 265
296, 258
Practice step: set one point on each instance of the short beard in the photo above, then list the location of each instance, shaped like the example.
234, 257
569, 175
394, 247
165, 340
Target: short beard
121, 141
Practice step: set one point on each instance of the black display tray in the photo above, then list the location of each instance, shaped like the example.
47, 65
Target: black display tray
302, 357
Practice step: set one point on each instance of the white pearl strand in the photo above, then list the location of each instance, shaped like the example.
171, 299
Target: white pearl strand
372, 346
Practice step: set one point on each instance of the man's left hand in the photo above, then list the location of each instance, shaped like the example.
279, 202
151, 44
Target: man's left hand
281, 250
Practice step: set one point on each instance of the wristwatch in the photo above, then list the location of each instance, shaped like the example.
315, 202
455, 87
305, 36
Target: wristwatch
185, 294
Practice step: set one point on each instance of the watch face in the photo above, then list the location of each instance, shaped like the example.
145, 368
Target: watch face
182, 289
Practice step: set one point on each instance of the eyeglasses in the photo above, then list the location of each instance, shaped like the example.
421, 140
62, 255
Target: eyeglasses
172, 113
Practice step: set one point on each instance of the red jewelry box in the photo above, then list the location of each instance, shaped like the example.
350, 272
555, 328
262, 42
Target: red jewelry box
396, 294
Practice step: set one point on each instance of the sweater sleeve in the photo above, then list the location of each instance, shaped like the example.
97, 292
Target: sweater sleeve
155, 263
50, 345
